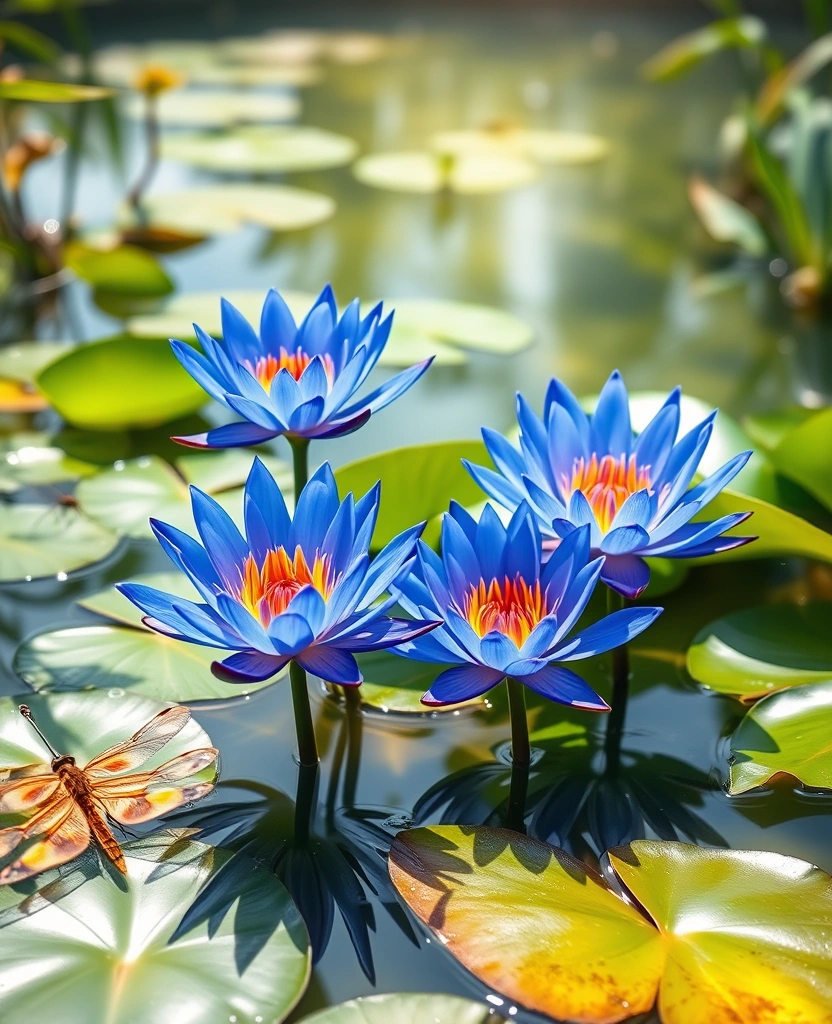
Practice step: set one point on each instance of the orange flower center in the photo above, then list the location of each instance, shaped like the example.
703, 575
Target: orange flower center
267, 367
606, 484
511, 607
267, 589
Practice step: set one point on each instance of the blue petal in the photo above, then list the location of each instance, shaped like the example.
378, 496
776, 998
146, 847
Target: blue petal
654, 444
693, 534
625, 539
577, 596
339, 428
626, 574
523, 545
309, 605
541, 638
563, 686
189, 556
332, 664
490, 544
565, 447
231, 435
277, 325
610, 430
494, 485
388, 564
256, 411
713, 484
568, 558
225, 547
347, 381
315, 509
244, 624
559, 394
307, 416
507, 458
466, 521
347, 593
208, 623
714, 547
547, 506
534, 442
456, 546
285, 395
340, 537
497, 650
248, 667
464, 682
366, 516
384, 633
390, 390
316, 330
159, 605
267, 519
290, 634
239, 336
612, 631
200, 369
637, 510
683, 463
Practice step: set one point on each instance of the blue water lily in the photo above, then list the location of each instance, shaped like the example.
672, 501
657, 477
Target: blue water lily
300, 382
633, 492
504, 614
297, 589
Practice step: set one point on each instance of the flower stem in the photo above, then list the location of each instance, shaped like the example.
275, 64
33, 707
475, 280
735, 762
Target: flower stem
151, 131
307, 747
520, 750
516, 812
620, 692
300, 463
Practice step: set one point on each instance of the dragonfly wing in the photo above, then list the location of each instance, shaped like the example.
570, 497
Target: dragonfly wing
24, 772
26, 793
181, 767
142, 745
66, 834
145, 806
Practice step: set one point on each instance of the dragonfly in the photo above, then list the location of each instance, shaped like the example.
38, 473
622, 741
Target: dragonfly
72, 806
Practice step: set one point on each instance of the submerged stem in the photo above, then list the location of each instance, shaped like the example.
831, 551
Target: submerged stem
520, 749
620, 691
304, 727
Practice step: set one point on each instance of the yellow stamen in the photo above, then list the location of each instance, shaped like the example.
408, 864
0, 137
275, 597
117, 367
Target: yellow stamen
267, 367
511, 607
606, 484
267, 589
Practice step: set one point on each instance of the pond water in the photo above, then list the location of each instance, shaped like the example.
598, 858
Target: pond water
603, 260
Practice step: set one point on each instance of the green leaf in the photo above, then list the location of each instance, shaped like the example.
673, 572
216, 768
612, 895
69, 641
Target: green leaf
24, 360
216, 108
790, 213
480, 328
759, 650
115, 658
31, 91
688, 51
37, 541
724, 934
726, 220
29, 42
123, 498
125, 269
406, 1008
666, 575
213, 210
133, 966
261, 150
416, 484
785, 734
784, 81
119, 383
394, 684
430, 172
767, 430
805, 456
546, 147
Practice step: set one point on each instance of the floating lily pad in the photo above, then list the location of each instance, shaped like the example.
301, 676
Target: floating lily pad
406, 1008
416, 483
124, 269
125, 497
215, 108
397, 684
112, 604
545, 147
219, 208
804, 454
16, 396
767, 430
408, 344
425, 172
261, 150
119, 383
37, 541
785, 734
759, 650
728, 931
31, 461
117, 954
481, 328
256, 75
25, 359
119, 658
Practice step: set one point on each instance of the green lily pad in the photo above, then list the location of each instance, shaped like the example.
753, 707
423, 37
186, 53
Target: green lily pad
727, 220
27, 465
480, 328
124, 269
219, 208
545, 147
215, 108
767, 430
394, 684
112, 604
805, 455
417, 483
119, 658
133, 964
37, 541
24, 360
84, 725
261, 150
759, 650
32, 91
406, 345
785, 734
425, 172
119, 383
728, 932
406, 1008
125, 497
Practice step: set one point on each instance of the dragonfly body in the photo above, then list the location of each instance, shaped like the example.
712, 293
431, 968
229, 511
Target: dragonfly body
70, 806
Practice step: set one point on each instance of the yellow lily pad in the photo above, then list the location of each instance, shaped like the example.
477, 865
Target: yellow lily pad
426, 172
261, 150
545, 147
216, 108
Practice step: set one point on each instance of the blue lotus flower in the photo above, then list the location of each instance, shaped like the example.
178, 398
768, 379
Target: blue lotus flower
576, 470
301, 589
503, 614
296, 381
